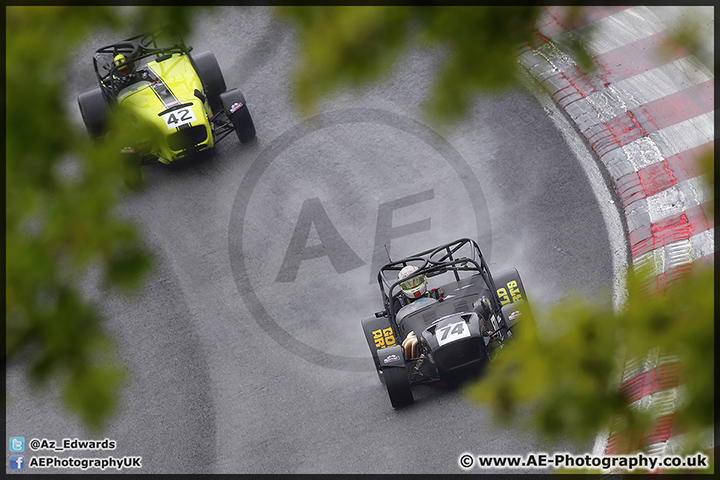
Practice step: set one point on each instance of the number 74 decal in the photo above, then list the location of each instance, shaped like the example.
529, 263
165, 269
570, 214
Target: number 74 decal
451, 332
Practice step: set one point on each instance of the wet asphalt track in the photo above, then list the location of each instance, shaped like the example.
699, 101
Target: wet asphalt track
247, 354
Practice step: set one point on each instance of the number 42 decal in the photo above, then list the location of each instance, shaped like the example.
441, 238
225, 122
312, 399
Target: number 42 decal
178, 117
451, 332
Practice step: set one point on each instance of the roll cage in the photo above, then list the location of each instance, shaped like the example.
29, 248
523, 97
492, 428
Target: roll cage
434, 262
135, 49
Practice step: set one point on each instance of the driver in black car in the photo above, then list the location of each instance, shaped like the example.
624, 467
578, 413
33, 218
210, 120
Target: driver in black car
413, 289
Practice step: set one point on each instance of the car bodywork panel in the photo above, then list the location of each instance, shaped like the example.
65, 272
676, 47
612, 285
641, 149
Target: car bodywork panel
459, 298
168, 104
467, 318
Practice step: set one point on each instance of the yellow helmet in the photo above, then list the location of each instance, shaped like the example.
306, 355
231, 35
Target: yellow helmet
123, 67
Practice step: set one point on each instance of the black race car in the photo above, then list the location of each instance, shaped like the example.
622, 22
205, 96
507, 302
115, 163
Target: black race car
448, 331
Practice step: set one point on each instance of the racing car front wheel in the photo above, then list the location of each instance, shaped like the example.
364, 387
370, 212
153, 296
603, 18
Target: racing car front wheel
398, 387
94, 110
211, 76
233, 102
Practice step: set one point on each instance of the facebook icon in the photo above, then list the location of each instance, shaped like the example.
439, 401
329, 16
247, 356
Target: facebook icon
17, 462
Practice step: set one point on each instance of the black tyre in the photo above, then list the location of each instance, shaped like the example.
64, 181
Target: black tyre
94, 110
212, 78
233, 102
398, 387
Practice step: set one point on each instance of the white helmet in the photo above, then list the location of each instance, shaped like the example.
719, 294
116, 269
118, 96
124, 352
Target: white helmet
416, 286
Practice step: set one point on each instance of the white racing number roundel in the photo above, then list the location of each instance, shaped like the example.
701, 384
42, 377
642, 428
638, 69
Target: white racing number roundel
451, 332
178, 117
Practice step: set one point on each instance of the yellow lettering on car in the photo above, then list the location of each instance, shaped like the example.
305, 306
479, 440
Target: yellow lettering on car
514, 291
515, 295
389, 337
379, 340
383, 338
503, 296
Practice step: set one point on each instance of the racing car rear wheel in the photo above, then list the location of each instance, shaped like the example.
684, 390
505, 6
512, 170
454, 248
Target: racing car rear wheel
212, 78
398, 387
94, 110
233, 102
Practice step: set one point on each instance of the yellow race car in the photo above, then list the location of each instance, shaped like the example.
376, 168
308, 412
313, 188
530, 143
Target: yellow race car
175, 103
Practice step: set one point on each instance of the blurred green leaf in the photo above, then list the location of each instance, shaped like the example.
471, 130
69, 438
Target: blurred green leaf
91, 393
683, 35
61, 192
59, 224
351, 46
564, 377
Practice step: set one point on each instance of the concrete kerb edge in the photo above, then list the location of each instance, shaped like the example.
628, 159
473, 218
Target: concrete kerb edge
616, 164
588, 124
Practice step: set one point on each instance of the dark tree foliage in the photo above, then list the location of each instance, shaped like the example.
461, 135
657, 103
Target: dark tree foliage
61, 192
